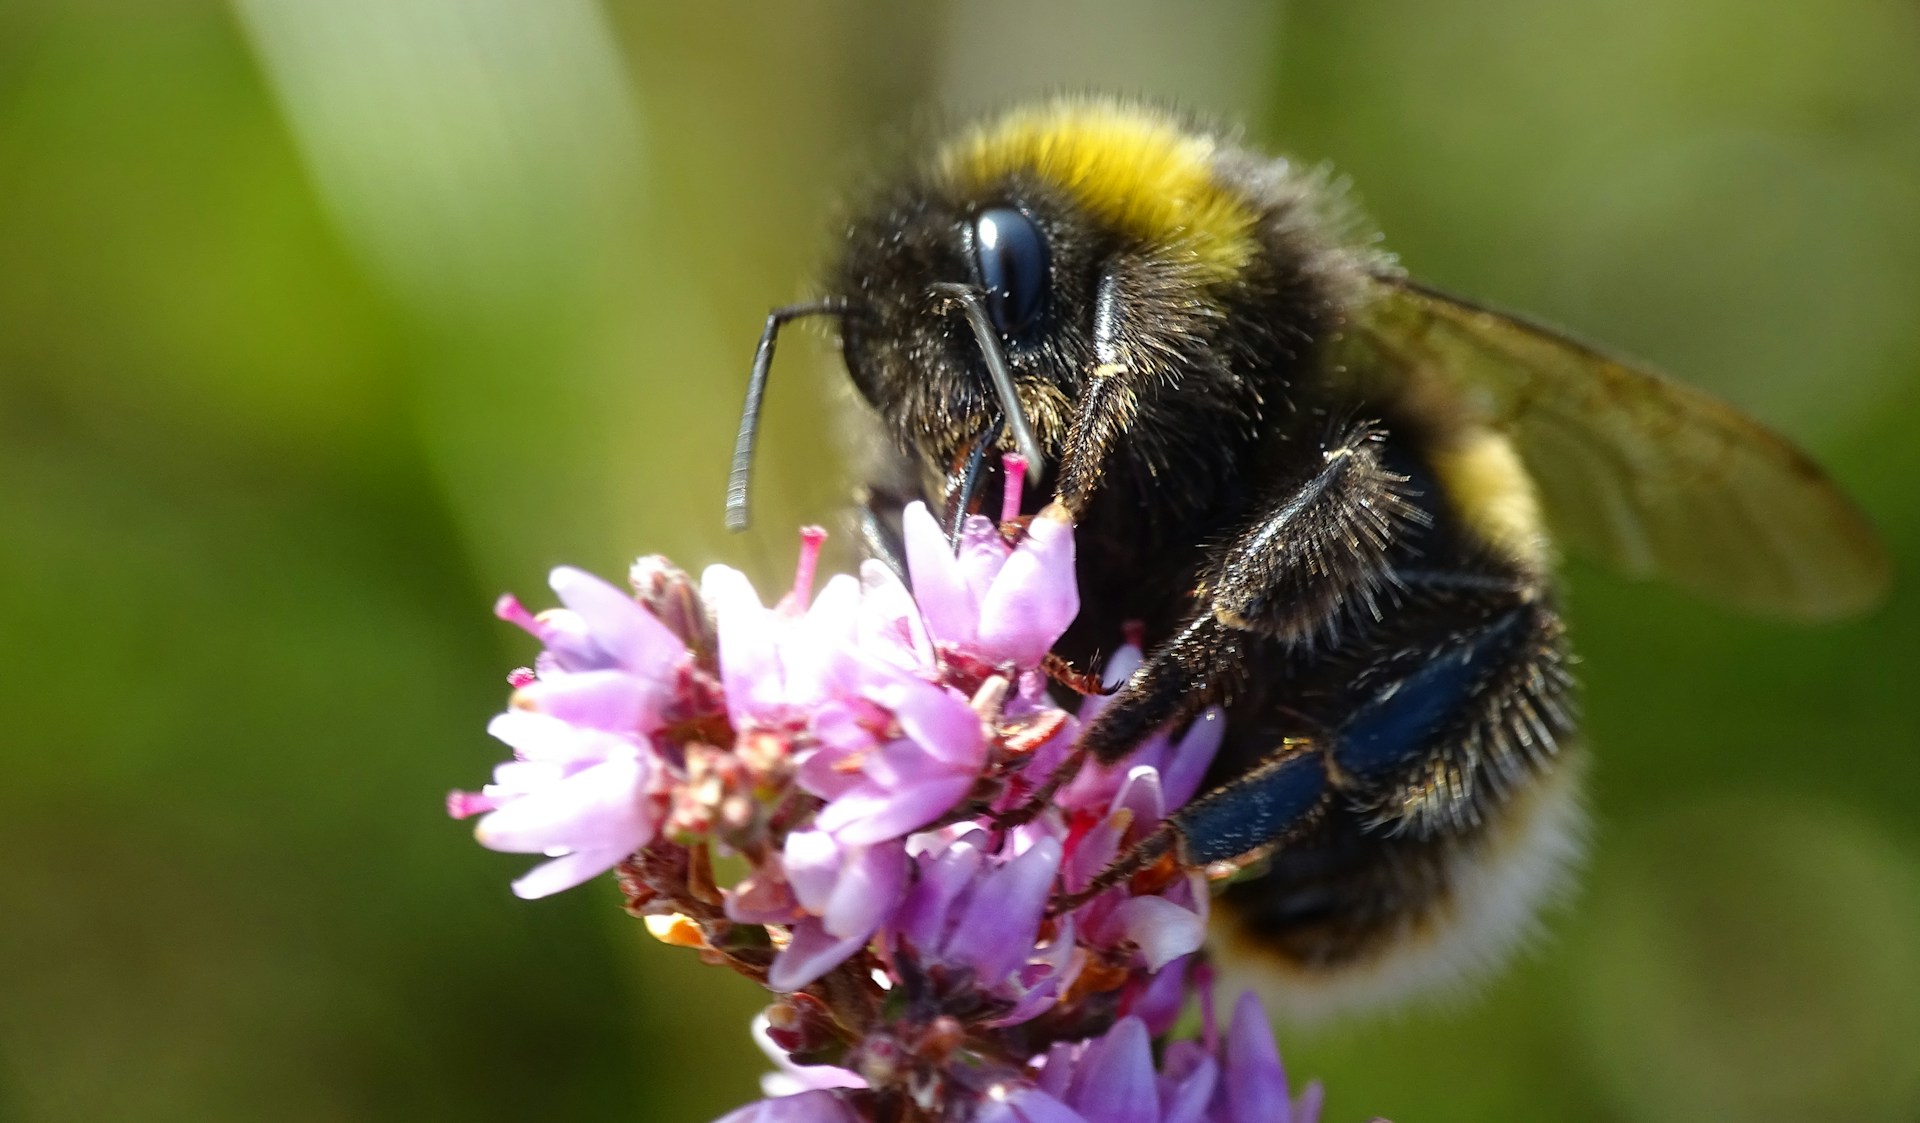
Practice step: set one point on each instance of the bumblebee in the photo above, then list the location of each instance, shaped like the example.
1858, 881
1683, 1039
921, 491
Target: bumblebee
1328, 497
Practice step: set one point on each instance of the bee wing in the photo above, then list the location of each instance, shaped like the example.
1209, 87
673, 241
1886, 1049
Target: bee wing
1650, 475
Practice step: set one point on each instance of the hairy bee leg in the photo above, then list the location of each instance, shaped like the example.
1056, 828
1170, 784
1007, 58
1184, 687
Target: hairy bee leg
1318, 556
1239, 820
1479, 693
1320, 548
1111, 400
1188, 673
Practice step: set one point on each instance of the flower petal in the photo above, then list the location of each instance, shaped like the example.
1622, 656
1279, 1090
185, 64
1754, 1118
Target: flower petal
617, 701
1187, 760
1306, 1106
817, 1106
997, 932
891, 627
1184, 1095
1034, 597
982, 554
811, 954
746, 632
923, 918
1162, 930
1029, 1105
870, 813
945, 601
937, 719
1159, 1005
812, 859
1256, 1084
867, 889
567, 871
598, 808
626, 632
1115, 1080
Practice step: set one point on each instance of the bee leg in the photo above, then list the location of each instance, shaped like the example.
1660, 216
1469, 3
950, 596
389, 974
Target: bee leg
1318, 551
1183, 677
1244, 818
1317, 558
1426, 748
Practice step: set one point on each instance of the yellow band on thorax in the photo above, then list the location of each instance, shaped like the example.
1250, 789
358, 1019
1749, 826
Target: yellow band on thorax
1132, 168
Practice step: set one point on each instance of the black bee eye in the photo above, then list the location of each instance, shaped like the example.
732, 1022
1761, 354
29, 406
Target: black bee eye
1012, 255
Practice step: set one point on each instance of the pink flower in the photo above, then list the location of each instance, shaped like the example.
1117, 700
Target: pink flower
997, 603
982, 914
578, 787
847, 891
778, 665
809, 765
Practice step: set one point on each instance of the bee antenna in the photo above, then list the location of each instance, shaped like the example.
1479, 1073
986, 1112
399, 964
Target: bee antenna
974, 304
756, 392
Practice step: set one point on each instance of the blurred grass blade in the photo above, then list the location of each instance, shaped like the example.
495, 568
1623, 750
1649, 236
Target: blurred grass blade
465, 147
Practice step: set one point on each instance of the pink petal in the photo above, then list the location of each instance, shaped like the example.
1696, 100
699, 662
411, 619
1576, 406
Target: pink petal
811, 954
817, 1106
627, 632
1095, 852
1159, 1005
1115, 1082
1140, 794
1002, 921
923, 918
1184, 1099
982, 555
1187, 760
870, 813
566, 871
1162, 930
1256, 1084
890, 624
1035, 596
815, 650
812, 861
1306, 1107
1029, 1105
938, 719
617, 701
761, 898
534, 736
868, 887
945, 601
747, 634
598, 808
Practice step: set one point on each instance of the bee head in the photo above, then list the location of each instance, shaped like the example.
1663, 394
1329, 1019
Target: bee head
975, 316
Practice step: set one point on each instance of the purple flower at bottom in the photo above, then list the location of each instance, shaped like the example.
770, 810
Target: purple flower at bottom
847, 892
1113, 1079
831, 796
817, 1106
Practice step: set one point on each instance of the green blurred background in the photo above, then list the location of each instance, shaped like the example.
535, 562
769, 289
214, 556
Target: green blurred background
322, 322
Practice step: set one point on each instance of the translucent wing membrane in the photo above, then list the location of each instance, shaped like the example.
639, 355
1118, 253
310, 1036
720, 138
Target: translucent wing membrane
1652, 476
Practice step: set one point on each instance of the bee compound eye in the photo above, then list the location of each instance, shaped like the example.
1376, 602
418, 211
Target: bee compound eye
1013, 261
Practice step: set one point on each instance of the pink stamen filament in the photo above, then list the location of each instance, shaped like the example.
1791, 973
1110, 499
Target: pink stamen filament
461, 805
509, 608
811, 539
1014, 466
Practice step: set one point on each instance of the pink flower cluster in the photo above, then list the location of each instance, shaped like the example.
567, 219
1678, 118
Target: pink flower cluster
857, 749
